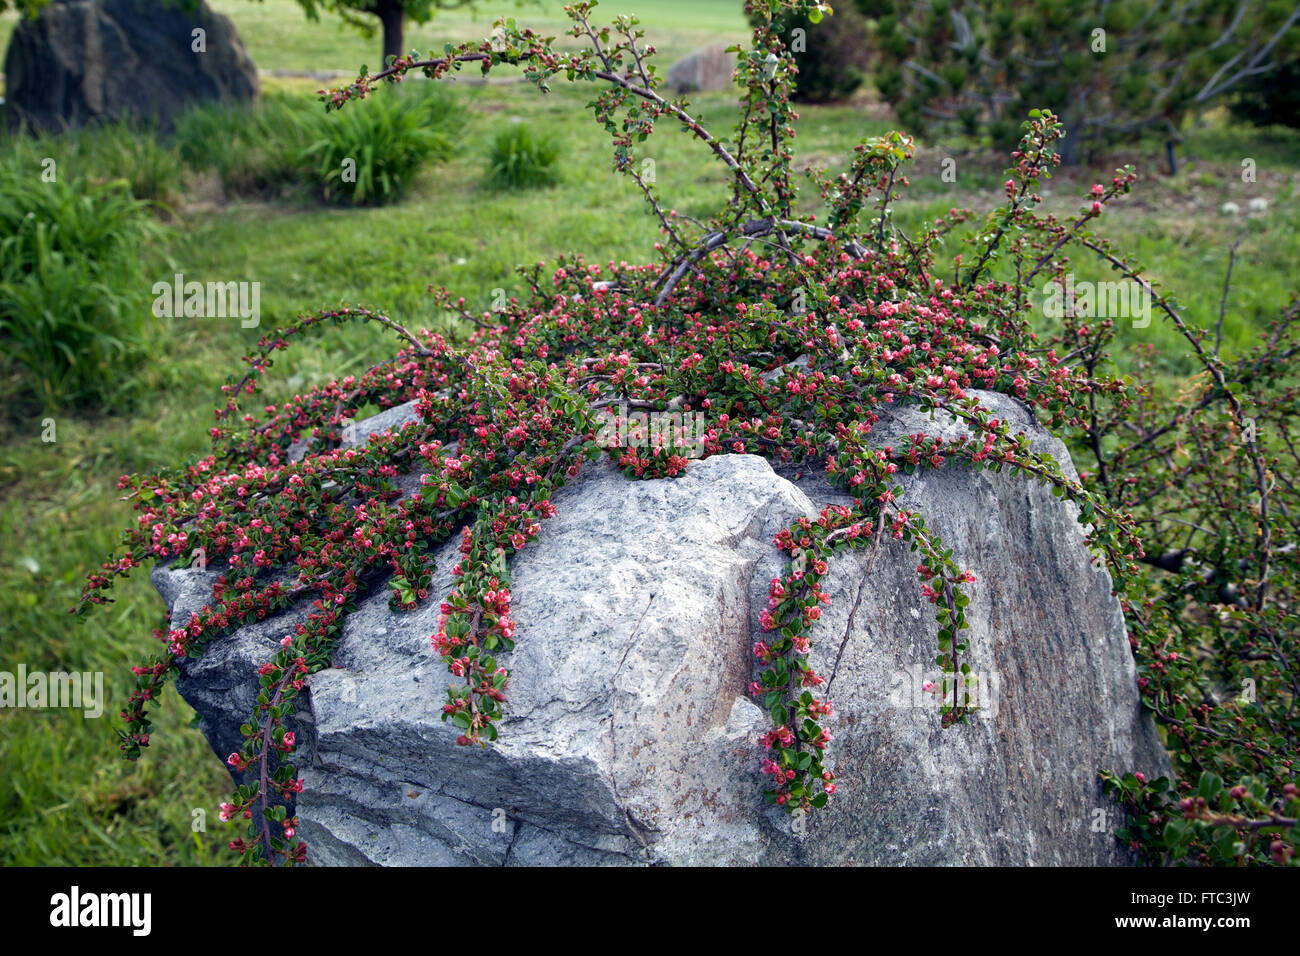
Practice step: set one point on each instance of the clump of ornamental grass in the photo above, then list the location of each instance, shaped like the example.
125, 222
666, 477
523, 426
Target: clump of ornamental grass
73, 295
521, 158
879, 318
280, 146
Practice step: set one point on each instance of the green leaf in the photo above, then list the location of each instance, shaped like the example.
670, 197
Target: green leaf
1209, 785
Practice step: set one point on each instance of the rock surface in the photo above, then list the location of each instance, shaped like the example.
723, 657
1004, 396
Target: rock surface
629, 738
707, 69
82, 61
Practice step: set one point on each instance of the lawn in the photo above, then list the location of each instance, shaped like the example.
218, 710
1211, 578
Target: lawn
64, 796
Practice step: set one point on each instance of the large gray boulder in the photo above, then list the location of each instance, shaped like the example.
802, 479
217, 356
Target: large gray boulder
82, 61
629, 738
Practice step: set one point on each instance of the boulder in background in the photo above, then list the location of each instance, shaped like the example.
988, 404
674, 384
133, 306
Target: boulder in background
85, 61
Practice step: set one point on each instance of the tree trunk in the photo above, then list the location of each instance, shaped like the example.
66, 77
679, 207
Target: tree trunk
1068, 146
392, 15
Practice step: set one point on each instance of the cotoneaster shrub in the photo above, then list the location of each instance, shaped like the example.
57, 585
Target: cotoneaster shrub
880, 318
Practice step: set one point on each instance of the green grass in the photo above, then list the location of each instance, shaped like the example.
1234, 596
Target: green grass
279, 36
65, 797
